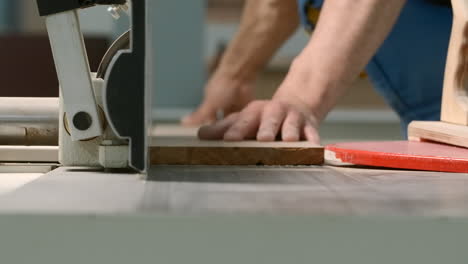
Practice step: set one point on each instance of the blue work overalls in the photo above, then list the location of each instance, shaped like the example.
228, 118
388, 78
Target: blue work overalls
408, 69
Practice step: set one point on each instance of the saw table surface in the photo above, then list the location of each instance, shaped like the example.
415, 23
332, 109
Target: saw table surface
231, 215
198, 190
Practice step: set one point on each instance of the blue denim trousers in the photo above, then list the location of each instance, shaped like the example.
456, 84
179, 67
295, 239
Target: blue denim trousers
408, 69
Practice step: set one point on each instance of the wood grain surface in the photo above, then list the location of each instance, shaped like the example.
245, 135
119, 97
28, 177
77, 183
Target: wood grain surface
175, 145
196, 152
452, 134
455, 99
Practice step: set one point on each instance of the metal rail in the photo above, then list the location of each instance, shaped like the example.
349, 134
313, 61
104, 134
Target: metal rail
29, 121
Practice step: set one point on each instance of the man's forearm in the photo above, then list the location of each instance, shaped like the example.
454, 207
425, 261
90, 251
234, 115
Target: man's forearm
265, 26
346, 37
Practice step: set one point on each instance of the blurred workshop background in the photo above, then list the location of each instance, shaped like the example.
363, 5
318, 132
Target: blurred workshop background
189, 37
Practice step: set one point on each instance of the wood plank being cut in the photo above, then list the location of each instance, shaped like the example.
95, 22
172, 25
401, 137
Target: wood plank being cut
171, 146
191, 151
176, 145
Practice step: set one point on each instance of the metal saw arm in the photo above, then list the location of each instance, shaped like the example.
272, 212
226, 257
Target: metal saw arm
125, 99
71, 61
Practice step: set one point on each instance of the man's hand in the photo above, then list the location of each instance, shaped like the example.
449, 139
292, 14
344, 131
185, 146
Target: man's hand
264, 27
221, 94
331, 61
266, 121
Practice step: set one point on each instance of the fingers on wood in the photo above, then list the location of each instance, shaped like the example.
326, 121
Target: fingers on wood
292, 126
271, 122
311, 133
218, 129
247, 123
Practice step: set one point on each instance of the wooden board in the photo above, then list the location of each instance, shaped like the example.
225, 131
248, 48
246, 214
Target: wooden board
440, 132
400, 154
455, 99
192, 151
178, 145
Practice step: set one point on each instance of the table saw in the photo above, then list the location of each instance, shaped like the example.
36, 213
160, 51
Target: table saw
229, 214
97, 198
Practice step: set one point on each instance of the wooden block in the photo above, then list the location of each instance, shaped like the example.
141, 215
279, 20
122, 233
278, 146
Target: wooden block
440, 132
191, 151
455, 99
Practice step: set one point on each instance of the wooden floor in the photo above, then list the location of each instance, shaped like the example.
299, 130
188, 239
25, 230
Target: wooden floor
245, 190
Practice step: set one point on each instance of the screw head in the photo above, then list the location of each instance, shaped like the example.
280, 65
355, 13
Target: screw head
82, 121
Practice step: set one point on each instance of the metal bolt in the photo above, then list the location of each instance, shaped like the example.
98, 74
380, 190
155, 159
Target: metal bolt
82, 121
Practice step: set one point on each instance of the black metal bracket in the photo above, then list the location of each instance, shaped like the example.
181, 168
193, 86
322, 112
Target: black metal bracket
50, 7
126, 93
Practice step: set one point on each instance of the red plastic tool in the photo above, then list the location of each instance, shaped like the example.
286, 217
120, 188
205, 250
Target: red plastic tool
400, 154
